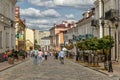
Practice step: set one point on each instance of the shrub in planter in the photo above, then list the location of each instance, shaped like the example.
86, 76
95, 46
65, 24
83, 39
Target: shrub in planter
20, 55
69, 46
10, 57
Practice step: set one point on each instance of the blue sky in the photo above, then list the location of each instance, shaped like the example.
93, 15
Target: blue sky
42, 14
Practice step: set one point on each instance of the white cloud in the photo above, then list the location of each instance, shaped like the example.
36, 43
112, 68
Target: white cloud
70, 16
53, 3
39, 27
50, 13
46, 3
73, 2
32, 12
51, 16
71, 20
39, 22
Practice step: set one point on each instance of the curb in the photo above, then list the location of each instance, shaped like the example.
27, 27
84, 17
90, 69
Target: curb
90, 68
13, 65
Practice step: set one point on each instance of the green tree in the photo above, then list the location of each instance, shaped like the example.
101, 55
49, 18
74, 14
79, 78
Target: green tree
105, 44
92, 44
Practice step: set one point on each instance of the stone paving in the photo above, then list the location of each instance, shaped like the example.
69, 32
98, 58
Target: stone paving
52, 70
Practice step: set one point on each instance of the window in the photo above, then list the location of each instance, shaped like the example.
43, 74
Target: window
0, 6
0, 39
7, 40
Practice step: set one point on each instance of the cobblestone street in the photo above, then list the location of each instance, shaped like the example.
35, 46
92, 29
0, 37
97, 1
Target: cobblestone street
51, 70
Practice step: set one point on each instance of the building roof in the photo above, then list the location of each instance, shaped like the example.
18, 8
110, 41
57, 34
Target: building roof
90, 14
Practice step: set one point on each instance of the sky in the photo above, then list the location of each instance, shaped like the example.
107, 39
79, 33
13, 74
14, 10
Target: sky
43, 14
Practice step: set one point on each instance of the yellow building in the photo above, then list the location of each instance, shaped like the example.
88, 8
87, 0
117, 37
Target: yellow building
20, 31
29, 39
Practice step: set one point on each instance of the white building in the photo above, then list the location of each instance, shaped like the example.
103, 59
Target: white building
37, 36
45, 43
108, 10
7, 28
44, 40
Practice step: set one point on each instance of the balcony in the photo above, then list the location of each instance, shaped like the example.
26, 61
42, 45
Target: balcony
111, 14
94, 22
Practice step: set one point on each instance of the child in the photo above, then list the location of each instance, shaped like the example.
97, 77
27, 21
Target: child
5, 56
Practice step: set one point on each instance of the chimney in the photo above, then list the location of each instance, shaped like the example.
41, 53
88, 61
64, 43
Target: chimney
17, 12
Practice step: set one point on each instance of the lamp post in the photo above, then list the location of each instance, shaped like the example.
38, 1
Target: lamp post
110, 69
105, 55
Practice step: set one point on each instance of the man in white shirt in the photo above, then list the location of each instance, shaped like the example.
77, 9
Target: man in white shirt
61, 56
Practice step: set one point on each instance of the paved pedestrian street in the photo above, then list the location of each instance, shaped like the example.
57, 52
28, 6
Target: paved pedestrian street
51, 70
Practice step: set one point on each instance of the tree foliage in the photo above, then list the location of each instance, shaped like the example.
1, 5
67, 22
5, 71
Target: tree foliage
81, 45
107, 42
92, 44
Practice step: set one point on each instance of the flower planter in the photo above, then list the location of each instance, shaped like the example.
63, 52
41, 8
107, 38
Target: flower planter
20, 58
10, 60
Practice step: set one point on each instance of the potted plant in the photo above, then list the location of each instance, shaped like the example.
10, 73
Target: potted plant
20, 55
10, 57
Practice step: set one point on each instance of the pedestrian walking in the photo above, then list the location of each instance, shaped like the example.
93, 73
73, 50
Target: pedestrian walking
56, 55
77, 55
31, 53
35, 52
15, 54
61, 56
5, 56
46, 54
40, 56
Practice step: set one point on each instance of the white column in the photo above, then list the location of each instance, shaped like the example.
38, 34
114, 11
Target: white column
100, 15
117, 45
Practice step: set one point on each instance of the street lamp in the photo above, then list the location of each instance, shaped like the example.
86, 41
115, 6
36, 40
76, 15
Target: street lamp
110, 69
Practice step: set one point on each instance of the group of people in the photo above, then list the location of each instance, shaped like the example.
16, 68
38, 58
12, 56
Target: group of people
38, 55
11, 53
